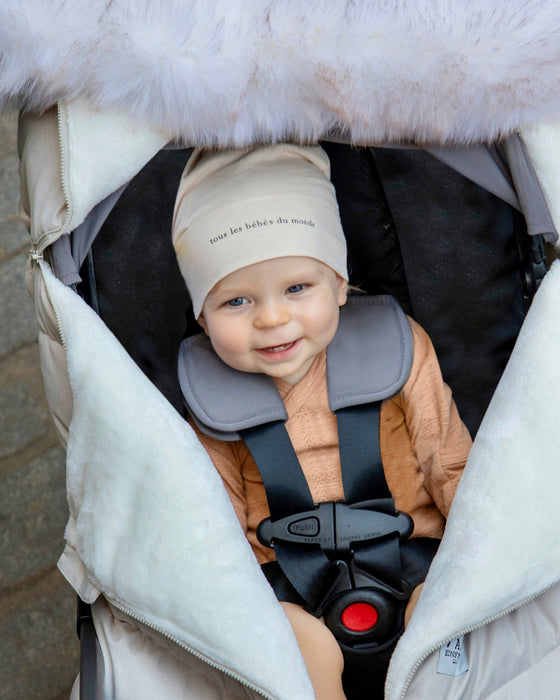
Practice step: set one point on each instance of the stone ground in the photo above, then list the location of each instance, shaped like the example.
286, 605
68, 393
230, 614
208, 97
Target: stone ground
39, 654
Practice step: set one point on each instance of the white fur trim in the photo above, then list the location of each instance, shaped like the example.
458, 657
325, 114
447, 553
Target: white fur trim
151, 521
238, 71
501, 543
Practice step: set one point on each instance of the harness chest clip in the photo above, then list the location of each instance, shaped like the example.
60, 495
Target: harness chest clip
336, 527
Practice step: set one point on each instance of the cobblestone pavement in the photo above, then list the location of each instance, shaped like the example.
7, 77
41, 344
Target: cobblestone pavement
38, 645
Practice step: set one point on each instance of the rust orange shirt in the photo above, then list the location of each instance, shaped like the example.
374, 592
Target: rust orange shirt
424, 447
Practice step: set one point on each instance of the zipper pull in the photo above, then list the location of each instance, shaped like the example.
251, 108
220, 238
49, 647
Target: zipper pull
35, 255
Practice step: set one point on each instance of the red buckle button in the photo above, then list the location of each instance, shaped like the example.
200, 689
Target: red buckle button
359, 617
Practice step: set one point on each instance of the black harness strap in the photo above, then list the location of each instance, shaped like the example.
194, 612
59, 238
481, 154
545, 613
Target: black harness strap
307, 567
360, 454
286, 487
364, 480
308, 570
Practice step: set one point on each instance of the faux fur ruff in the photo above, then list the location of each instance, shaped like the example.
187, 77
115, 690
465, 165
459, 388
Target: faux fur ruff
246, 70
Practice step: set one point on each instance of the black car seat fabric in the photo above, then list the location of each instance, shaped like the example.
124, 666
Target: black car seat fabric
455, 267
134, 276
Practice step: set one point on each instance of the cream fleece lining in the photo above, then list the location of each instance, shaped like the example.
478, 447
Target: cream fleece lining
151, 522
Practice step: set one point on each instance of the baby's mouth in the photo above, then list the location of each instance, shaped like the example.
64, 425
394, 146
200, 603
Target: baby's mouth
280, 350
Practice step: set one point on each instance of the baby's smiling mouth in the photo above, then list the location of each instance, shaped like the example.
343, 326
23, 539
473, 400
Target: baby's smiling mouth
278, 349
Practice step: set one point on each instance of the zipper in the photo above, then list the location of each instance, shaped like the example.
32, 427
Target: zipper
38, 259
36, 255
197, 654
473, 628
63, 168
51, 235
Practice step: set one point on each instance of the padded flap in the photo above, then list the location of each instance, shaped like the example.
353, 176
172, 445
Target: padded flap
371, 354
368, 360
222, 400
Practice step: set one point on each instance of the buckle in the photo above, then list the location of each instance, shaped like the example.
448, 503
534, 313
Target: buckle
336, 527
385, 607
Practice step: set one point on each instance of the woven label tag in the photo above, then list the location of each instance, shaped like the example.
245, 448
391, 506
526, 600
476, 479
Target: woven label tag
452, 658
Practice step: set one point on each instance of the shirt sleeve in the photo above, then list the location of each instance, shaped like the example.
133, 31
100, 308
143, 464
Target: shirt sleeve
439, 437
227, 457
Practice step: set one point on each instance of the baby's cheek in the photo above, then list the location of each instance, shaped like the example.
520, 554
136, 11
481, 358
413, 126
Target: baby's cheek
324, 327
231, 347
225, 335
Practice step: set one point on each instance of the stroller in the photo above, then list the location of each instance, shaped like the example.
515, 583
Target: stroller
152, 542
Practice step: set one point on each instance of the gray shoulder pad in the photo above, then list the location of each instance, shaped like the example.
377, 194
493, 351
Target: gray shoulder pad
223, 401
371, 355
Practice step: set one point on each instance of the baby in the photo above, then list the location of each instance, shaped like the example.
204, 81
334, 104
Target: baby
260, 244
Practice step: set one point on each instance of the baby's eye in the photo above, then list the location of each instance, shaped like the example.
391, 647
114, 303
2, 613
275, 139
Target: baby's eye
295, 288
238, 301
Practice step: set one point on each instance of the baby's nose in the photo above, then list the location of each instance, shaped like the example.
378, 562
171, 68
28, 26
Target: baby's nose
272, 314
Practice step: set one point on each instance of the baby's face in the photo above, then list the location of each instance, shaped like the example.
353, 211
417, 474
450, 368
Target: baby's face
274, 317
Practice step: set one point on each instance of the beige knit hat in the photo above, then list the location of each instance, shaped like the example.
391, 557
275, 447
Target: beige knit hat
236, 208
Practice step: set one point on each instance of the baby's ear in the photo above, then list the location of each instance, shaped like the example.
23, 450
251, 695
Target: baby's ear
202, 323
342, 290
